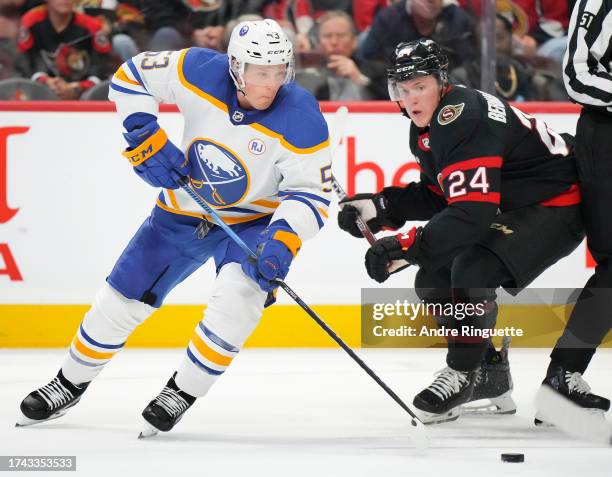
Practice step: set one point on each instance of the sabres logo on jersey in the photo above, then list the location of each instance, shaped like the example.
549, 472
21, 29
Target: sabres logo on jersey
449, 113
217, 174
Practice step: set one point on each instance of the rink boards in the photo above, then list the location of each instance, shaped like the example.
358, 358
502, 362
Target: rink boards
69, 203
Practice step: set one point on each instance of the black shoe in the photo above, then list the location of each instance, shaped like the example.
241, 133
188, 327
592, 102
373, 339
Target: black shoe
51, 401
493, 383
166, 409
441, 401
572, 386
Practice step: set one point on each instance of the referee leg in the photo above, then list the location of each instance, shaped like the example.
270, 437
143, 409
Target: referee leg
591, 318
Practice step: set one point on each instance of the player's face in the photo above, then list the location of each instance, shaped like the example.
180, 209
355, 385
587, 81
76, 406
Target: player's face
61, 6
420, 97
262, 82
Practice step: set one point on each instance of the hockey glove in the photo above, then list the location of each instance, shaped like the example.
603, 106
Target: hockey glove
373, 210
151, 152
276, 247
392, 254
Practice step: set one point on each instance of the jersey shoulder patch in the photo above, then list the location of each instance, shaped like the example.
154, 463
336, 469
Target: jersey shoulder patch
449, 113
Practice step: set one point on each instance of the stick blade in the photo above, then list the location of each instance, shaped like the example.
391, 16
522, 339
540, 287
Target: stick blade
572, 419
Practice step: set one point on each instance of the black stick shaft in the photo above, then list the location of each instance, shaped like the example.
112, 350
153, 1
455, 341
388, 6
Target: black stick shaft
350, 352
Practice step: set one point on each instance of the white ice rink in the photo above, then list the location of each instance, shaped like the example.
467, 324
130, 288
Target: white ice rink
291, 413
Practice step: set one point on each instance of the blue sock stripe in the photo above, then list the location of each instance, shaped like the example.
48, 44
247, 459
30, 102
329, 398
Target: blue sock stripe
305, 194
310, 206
205, 368
218, 341
95, 343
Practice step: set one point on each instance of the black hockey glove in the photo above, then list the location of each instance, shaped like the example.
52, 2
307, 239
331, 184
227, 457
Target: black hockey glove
392, 254
373, 210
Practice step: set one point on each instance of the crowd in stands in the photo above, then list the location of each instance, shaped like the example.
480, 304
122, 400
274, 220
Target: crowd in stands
67, 49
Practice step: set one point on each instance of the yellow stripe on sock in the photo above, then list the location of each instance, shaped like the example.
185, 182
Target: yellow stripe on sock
90, 353
209, 353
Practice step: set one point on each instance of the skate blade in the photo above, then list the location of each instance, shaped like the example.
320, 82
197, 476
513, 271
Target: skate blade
429, 418
540, 420
23, 421
500, 405
148, 431
571, 418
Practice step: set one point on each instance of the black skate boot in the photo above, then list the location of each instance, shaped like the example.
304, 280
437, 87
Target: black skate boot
166, 409
572, 386
442, 400
493, 384
51, 401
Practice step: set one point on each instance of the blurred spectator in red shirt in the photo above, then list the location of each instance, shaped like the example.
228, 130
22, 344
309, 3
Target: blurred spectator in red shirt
66, 50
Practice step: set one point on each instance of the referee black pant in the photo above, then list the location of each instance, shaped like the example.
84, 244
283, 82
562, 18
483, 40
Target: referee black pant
591, 318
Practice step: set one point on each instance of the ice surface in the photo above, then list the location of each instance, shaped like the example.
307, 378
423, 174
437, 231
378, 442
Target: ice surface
292, 412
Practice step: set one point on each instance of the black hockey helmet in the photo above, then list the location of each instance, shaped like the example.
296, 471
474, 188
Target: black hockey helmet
414, 59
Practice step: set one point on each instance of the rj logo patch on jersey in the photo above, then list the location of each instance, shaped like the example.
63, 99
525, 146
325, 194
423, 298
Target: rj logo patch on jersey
257, 146
217, 174
449, 113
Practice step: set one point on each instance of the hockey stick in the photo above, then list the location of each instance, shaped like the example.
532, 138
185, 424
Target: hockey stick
183, 182
340, 120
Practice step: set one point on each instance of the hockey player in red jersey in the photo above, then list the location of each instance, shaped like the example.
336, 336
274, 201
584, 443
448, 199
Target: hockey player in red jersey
499, 191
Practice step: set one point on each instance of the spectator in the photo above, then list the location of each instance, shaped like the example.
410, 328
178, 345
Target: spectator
514, 81
209, 19
122, 21
10, 12
364, 11
408, 20
302, 14
540, 26
63, 49
344, 76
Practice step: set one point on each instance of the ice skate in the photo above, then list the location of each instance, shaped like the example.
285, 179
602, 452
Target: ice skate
493, 388
166, 410
441, 401
572, 386
51, 401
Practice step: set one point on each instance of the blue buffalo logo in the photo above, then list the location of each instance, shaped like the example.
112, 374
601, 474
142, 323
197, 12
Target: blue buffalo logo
217, 175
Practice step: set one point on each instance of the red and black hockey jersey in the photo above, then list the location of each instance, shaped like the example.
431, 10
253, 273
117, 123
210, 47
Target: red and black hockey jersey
80, 52
479, 156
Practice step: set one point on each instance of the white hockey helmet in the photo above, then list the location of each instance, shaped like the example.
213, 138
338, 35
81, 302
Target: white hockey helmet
261, 42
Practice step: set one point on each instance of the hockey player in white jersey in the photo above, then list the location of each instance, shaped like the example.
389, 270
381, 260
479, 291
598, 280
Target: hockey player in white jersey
255, 146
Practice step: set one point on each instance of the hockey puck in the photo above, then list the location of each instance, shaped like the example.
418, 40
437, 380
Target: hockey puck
513, 457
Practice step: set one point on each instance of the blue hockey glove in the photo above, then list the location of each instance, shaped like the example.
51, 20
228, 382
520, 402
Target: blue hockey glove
151, 152
276, 247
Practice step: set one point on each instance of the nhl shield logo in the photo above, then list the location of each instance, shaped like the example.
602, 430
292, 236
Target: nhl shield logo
217, 174
238, 116
449, 113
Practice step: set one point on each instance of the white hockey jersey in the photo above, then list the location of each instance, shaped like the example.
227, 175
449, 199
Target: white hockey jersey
246, 164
